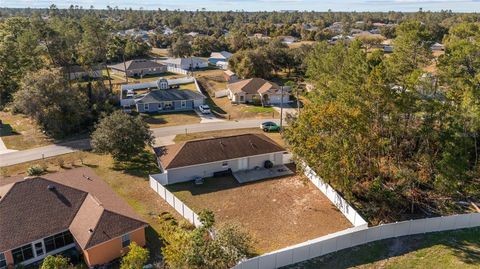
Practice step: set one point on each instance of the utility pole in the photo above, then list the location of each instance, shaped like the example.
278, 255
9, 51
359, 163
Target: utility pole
281, 110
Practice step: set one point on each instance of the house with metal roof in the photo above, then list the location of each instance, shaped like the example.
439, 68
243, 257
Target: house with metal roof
67, 212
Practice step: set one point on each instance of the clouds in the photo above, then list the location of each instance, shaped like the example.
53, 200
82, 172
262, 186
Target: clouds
255, 5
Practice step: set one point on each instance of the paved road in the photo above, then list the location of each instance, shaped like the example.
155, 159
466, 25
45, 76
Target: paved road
163, 136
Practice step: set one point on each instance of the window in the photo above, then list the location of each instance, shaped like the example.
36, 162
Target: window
145, 107
38, 248
3, 261
224, 164
22, 253
57, 241
125, 240
184, 104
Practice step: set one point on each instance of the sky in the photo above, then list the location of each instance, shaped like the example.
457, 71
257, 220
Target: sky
261, 5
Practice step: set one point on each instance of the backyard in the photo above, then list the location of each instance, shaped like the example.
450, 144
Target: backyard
277, 212
453, 249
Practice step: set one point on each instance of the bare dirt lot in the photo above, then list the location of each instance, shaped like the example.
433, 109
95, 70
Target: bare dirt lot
277, 212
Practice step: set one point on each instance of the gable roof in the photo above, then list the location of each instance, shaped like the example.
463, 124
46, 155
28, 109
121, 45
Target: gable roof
77, 203
156, 96
215, 149
138, 64
184, 61
252, 86
221, 55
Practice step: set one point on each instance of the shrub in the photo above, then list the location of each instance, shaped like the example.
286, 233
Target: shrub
35, 170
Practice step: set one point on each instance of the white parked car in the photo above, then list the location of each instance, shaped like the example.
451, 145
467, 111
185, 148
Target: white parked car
205, 109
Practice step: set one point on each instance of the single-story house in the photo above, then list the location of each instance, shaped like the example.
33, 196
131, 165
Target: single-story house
71, 211
438, 47
138, 68
222, 56
230, 76
186, 63
222, 65
257, 90
78, 72
288, 39
215, 156
168, 100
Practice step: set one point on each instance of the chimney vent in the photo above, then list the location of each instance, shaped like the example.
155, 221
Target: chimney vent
51, 187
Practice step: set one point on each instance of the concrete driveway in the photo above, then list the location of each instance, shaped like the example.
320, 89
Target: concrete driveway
207, 118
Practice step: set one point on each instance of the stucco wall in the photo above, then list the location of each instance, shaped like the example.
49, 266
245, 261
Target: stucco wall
112, 249
8, 257
206, 170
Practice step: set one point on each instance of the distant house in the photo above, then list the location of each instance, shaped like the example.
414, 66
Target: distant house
230, 76
257, 90
438, 47
138, 68
73, 212
388, 48
189, 63
288, 39
222, 65
193, 34
216, 156
340, 38
222, 56
78, 72
161, 98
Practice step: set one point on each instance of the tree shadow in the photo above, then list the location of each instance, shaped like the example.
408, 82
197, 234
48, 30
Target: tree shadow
141, 165
7, 130
464, 244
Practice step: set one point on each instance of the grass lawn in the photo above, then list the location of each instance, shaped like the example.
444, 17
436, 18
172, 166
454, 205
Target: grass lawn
275, 136
259, 109
128, 180
277, 212
20, 132
454, 249
171, 119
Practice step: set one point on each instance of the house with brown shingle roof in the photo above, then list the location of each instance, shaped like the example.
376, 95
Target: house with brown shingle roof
138, 68
63, 212
257, 90
217, 155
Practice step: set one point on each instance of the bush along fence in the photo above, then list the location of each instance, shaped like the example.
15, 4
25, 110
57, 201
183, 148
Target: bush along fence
357, 236
179, 206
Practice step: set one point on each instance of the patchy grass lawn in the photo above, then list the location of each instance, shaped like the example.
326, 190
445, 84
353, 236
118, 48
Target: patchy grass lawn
275, 136
300, 43
259, 109
277, 212
454, 249
212, 80
20, 132
159, 52
243, 111
170, 119
128, 180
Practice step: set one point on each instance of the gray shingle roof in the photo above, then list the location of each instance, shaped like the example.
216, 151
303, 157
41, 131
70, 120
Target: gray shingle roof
169, 95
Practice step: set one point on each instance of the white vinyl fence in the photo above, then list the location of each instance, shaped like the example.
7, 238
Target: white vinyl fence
342, 205
176, 70
179, 206
222, 93
357, 236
